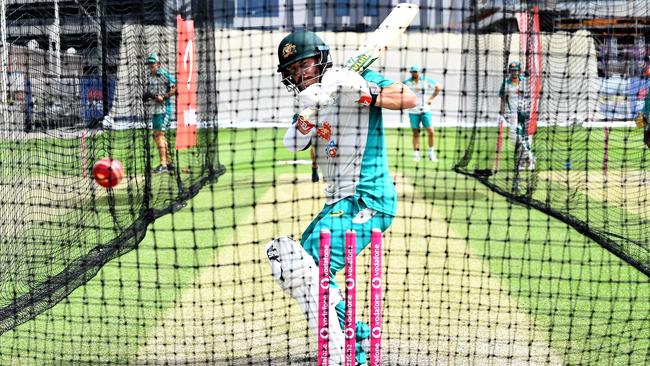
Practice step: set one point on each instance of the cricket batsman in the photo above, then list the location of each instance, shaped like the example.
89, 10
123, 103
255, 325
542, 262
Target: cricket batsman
345, 128
515, 109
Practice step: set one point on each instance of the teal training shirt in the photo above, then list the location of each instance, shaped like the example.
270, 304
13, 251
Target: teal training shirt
350, 150
423, 90
160, 84
376, 184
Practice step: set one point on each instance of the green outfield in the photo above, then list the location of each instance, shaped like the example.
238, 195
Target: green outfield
471, 277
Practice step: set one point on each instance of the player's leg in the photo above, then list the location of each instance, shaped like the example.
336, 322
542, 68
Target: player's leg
161, 143
414, 120
529, 144
426, 123
514, 136
526, 158
297, 274
167, 120
531, 156
314, 165
511, 121
348, 214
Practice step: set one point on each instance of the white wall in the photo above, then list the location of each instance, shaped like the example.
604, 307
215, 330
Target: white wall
250, 88
250, 92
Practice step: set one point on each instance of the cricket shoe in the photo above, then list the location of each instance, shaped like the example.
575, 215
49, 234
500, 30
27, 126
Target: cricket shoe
161, 169
432, 155
531, 164
416, 156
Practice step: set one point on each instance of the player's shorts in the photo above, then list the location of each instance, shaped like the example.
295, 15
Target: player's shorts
347, 214
160, 121
418, 119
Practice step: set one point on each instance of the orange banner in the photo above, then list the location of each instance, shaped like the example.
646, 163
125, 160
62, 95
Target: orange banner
535, 69
185, 85
530, 45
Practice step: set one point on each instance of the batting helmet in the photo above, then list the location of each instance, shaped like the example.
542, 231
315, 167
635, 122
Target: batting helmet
152, 58
514, 66
300, 45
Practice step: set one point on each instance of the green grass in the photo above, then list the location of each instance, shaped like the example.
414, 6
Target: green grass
583, 148
594, 307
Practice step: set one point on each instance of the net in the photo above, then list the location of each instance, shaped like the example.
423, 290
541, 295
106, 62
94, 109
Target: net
514, 241
589, 158
72, 94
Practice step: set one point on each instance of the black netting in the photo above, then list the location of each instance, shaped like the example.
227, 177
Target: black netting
59, 226
506, 173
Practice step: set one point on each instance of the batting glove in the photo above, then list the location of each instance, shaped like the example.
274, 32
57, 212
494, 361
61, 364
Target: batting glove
348, 84
314, 97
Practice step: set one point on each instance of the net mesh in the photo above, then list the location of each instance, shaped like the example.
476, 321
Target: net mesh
589, 160
58, 226
510, 246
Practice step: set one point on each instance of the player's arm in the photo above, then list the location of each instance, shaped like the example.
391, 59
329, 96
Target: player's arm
504, 98
436, 91
299, 134
171, 85
396, 96
172, 91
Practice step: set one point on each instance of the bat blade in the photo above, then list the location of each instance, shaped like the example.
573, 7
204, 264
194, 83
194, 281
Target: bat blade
388, 32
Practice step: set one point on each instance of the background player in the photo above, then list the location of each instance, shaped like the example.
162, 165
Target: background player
346, 132
161, 87
426, 90
515, 109
642, 117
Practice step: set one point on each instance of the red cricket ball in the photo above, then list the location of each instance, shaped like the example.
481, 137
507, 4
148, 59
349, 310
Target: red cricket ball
108, 172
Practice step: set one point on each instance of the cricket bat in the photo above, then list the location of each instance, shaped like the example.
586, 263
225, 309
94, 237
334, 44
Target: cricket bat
375, 45
388, 32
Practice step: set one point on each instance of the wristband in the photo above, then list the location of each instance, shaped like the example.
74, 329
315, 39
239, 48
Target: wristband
374, 99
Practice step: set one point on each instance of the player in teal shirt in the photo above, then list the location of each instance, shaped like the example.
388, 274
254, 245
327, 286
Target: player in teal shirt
161, 87
642, 117
426, 90
515, 109
347, 135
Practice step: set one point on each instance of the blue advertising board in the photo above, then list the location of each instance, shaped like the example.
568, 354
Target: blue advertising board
92, 105
622, 98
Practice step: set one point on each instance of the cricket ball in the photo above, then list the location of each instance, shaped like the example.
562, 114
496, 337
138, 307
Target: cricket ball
108, 172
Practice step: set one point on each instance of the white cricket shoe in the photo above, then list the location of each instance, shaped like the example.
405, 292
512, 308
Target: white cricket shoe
416, 156
432, 155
